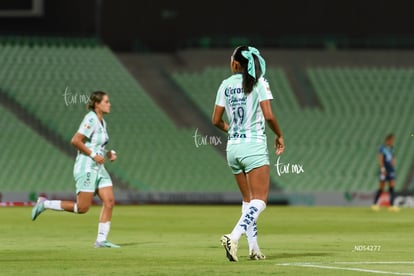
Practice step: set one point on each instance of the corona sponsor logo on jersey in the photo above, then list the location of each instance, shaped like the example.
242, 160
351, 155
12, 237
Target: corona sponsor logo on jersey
231, 91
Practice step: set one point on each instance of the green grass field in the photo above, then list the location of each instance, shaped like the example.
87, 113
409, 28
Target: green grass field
184, 240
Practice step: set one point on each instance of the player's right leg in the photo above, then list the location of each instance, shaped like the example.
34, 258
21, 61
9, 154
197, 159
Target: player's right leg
251, 232
375, 206
84, 201
85, 189
252, 235
38, 208
259, 183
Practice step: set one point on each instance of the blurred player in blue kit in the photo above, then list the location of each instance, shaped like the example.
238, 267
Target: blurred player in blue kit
386, 161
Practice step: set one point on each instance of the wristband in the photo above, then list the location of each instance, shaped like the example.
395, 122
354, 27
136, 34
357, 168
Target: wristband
92, 155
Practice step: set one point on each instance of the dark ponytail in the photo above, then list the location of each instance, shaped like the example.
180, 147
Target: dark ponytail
248, 81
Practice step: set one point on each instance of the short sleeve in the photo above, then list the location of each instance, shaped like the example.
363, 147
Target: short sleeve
87, 126
264, 90
220, 98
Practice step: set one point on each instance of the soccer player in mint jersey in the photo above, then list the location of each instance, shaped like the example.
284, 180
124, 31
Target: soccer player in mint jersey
89, 172
386, 161
245, 98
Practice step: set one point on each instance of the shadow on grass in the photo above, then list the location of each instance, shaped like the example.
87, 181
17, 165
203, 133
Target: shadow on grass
127, 244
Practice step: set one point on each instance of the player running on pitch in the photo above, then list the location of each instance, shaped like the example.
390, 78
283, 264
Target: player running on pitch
90, 174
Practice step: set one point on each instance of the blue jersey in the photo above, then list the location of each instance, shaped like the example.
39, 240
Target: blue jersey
388, 156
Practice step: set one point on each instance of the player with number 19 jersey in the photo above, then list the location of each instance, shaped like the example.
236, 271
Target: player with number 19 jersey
246, 120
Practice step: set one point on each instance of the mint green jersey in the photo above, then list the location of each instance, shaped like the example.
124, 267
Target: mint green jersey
246, 120
96, 139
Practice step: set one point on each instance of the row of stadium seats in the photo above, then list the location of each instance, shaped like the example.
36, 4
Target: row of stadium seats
202, 87
29, 163
365, 119
49, 41
51, 81
336, 144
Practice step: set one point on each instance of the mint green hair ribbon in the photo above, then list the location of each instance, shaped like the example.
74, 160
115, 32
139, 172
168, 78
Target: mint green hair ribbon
248, 54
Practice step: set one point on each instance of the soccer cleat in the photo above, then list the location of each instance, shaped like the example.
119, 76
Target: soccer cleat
394, 209
256, 255
38, 208
106, 244
231, 248
375, 208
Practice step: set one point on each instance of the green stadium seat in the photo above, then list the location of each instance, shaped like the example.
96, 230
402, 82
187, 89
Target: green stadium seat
153, 154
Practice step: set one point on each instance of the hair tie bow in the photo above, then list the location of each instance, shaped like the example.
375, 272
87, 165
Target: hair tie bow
248, 54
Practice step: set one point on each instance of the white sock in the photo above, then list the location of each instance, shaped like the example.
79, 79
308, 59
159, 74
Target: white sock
103, 231
252, 237
53, 205
251, 232
248, 218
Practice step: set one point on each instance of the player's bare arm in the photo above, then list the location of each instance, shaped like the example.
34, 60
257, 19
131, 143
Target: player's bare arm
217, 118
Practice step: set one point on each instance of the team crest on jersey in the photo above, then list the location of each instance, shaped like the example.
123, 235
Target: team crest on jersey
88, 179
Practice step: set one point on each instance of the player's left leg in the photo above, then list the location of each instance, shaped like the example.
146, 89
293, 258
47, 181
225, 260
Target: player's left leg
106, 194
391, 191
108, 201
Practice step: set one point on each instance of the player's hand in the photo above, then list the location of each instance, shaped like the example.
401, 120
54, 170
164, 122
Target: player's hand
99, 159
112, 155
383, 175
279, 145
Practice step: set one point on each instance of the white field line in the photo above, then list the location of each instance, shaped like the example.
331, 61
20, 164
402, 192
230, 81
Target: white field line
326, 266
378, 262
